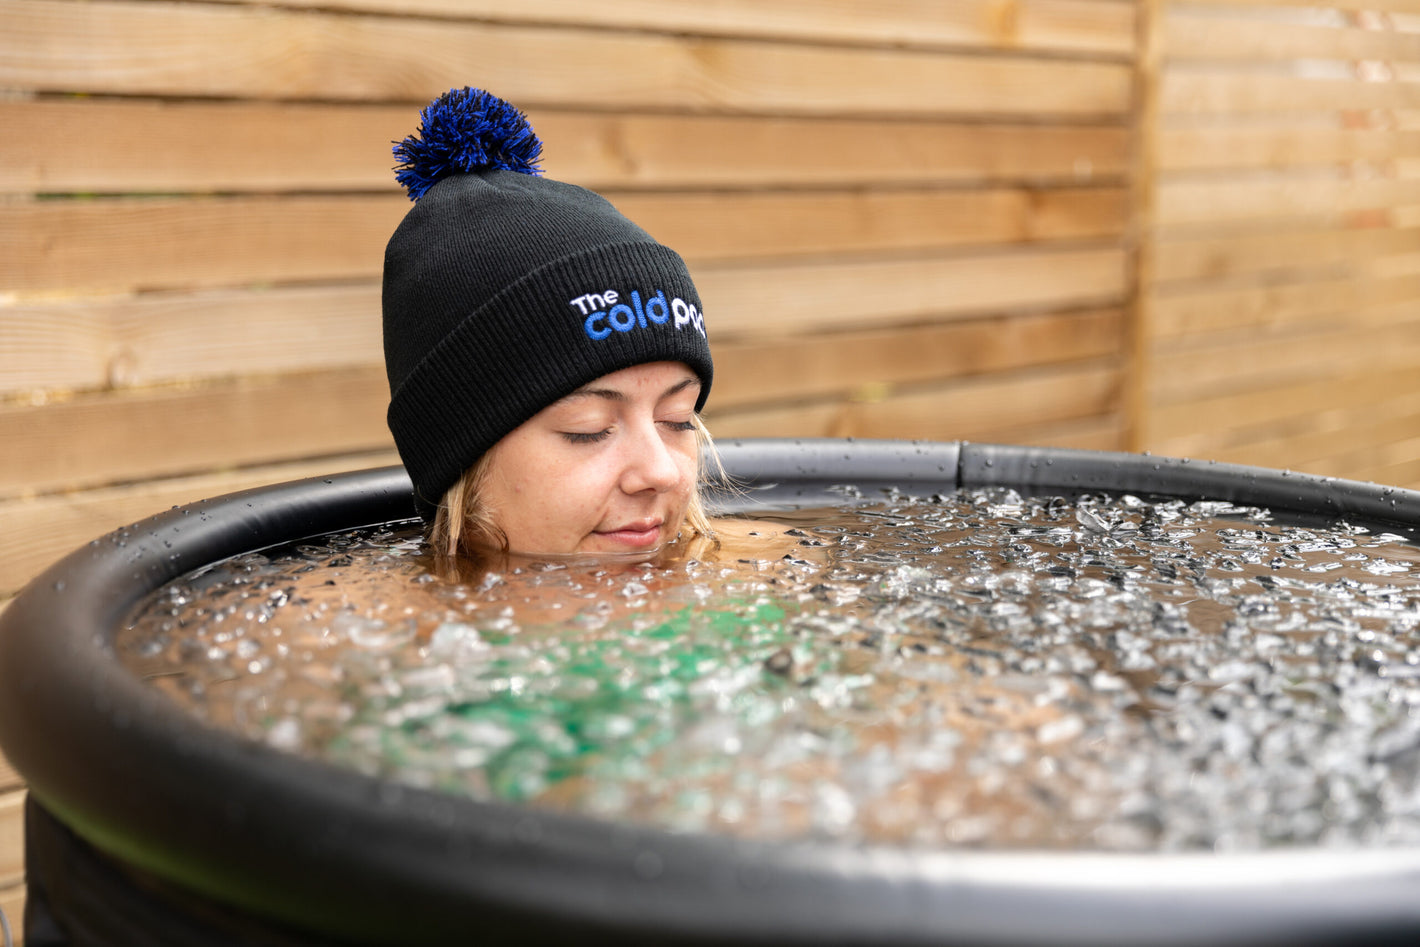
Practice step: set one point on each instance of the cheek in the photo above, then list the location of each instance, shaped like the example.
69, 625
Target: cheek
689, 469
549, 507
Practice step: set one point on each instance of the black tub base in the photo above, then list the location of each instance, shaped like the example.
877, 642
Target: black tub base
76, 896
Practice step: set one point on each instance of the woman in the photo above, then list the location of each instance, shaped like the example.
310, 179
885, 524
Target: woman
547, 358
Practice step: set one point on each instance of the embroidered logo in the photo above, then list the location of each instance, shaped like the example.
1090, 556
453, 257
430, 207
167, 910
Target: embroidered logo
605, 313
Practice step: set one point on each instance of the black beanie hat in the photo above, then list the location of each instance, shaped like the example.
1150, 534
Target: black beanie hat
505, 291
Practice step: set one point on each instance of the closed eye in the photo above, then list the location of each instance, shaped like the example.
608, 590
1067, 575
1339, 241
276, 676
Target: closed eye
680, 425
576, 437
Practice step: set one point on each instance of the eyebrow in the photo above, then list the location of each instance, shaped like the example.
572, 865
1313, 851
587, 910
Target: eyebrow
612, 394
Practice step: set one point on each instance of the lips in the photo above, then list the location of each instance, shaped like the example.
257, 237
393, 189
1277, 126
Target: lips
640, 534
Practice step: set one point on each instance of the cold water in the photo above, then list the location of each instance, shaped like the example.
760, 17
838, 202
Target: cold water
977, 669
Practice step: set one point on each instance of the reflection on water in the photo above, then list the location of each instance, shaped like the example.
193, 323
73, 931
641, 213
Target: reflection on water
976, 669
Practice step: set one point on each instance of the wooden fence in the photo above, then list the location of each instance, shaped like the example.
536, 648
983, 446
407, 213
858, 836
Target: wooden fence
1282, 314
1096, 223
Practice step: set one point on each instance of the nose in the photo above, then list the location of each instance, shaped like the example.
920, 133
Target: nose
650, 464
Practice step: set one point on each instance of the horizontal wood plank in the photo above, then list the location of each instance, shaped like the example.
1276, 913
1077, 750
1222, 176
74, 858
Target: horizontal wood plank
129, 245
1180, 373
1388, 6
1329, 441
1276, 147
12, 838
1208, 309
1326, 195
820, 297
159, 48
875, 362
712, 227
1170, 425
816, 419
67, 145
994, 407
131, 435
1192, 33
1055, 25
126, 146
1388, 456
125, 244
1099, 432
129, 341
163, 337
1388, 461
609, 151
997, 407
1205, 257
41, 530
1200, 92
826, 419
1404, 473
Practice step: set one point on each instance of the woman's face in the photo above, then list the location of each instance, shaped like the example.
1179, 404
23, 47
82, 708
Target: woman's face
608, 469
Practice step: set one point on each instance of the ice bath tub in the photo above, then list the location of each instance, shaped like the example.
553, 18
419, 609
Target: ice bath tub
148, 821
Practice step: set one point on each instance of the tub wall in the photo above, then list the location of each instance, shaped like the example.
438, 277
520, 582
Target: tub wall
1087, 223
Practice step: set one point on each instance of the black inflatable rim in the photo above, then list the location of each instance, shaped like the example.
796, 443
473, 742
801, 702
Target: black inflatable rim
372, 861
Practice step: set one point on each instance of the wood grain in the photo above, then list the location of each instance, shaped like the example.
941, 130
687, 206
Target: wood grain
1262, 360
797, 151
146, 244
1108, 432
721, 226
1390, 6
1056, 25
875, 362
151, 244
1213, 257
994, 407
123, 341
1331, 441
136, 340
1325, 194
990, 408
1193, 33
1224, 308
1198, 92
1377, 456
90, 439
787, 301
1282, 303
95, 439
122, 146
39, 530
1400, 473
158, 48
1245, 414
1277, 146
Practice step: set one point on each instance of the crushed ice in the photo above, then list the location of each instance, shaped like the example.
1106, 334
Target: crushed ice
979, 669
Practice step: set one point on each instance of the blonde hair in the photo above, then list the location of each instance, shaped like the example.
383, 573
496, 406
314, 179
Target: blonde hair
463, 523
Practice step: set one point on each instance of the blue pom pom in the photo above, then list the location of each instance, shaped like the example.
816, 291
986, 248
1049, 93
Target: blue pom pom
462, 131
